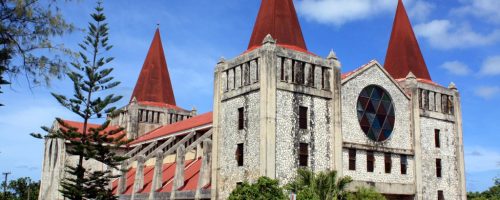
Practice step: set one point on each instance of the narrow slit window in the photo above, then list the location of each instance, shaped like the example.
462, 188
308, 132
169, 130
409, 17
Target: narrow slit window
404, 164
302, 117
303, 154
352, 159
438, 168
437, 139
239, 154
241, 118
440, 195
370, 161
388, 162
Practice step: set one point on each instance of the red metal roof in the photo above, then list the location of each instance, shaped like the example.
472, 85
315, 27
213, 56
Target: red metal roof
79, 127
159, 104
403, 54
191, 174
154, 83
278, 18
183, 125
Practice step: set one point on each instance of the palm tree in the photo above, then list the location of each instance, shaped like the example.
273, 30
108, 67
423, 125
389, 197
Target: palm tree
324, 185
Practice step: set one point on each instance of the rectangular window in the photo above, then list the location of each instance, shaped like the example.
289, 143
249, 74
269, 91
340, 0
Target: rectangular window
437, 140
438, 168
303, 154
388, 162
241, 118
440, 195
352, 159
370, 161
404, 163
302, 117
239, 154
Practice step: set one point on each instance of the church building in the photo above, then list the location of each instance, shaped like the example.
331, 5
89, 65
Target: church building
278, 107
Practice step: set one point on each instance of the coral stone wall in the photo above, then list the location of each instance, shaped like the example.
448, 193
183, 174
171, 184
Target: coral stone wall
288, 135
230, 136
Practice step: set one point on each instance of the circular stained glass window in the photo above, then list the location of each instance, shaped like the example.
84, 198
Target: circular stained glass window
376, 113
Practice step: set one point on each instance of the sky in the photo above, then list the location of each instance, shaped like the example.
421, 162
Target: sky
458, 38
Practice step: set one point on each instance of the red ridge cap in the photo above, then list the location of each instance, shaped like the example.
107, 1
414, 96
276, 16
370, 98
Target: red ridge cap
154, 83
278, 18
403, 53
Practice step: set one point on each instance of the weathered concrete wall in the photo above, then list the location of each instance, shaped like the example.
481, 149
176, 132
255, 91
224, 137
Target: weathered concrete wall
289, 135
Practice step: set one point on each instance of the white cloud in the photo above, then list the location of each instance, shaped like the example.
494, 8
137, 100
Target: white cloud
485, 9
339, 12
456, 67
491, 66
487, 92
479, 159
442, 34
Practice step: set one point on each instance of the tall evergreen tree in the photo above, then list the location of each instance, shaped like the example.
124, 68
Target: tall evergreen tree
90, 77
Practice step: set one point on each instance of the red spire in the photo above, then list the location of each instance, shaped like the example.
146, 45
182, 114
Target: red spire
403, 53
278, 18
154, 84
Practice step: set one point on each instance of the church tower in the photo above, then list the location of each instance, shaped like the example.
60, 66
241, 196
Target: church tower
435, 115
274, 105
152, 103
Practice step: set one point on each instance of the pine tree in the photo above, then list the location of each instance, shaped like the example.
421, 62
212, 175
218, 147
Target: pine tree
90, 78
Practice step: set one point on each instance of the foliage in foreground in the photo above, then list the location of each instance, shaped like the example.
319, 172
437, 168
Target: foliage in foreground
264, 189
21, 189
26, 30
90, 78
365, 194
493, 193
324, 185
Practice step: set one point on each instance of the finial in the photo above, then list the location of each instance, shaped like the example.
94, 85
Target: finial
221, 60
452, 86
269, 39
332, 55
134, 100
411, 76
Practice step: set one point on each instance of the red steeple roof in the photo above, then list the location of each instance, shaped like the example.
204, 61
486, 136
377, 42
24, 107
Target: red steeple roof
278, 18
154, 84
403, 53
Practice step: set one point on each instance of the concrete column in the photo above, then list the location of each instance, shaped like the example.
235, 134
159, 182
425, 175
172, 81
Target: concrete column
267, 117
459, 152
307, 75
139, 176
133, 119
204, 177
122, 181
156, 184
230, 79
216, 128
287, 70
415, 119
237, 76
318, 77
336, 112
254, 68
179, 171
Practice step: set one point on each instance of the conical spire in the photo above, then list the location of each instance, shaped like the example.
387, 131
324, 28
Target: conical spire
403, 54
278, 18
153, 84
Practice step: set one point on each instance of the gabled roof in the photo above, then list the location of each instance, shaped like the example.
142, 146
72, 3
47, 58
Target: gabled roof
403, 54
187, 124
154, 84
279, 19
79, 128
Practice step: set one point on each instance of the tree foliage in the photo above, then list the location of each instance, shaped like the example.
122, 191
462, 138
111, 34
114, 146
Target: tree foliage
90, 78
264, 189
493, 193
365, 194
324, 185
21, 189
26, 30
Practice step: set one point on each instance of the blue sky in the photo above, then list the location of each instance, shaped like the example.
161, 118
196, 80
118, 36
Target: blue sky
459, 40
